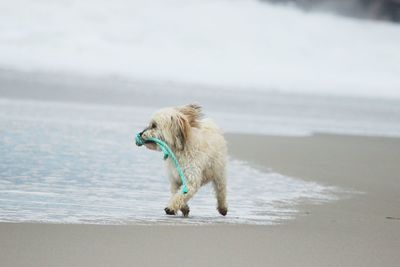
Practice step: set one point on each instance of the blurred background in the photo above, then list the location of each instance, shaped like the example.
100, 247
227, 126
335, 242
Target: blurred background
369, 9
305, 65
287, 46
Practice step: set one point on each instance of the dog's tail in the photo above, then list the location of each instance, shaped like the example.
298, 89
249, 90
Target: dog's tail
210, 126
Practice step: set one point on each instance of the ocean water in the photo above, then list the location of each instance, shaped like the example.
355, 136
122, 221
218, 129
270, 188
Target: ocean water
77, 163
238, 44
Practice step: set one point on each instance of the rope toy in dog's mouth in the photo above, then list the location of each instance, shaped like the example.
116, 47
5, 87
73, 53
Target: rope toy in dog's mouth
167, 153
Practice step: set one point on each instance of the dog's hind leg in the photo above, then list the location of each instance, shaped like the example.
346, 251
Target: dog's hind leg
219, 184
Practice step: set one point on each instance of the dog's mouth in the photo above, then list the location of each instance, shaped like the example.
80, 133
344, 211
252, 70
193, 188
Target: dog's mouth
149, 144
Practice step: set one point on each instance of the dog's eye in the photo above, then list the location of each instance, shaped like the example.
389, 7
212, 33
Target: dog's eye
153, 125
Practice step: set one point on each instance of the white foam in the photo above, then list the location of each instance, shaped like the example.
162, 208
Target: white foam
242, 43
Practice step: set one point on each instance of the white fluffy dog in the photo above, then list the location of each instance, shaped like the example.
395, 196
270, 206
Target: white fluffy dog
200, 148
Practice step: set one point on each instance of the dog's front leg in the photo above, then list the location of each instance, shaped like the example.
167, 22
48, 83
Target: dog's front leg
174, 187
179, 200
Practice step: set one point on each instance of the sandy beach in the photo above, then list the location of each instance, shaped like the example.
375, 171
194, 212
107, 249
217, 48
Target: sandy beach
360, 230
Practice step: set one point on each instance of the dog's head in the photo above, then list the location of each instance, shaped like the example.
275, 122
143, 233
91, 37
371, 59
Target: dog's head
173, 126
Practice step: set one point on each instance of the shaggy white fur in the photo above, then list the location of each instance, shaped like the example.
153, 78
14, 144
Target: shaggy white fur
200, 149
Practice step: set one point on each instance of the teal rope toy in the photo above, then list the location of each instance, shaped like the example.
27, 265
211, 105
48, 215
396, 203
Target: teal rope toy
167, 153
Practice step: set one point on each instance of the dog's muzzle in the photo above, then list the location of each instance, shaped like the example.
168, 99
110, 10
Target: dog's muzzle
139, 140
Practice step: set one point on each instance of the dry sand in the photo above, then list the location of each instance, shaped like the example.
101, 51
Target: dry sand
363, 230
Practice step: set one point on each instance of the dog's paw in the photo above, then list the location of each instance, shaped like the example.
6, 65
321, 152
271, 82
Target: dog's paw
222, 210
185, 211
169, 211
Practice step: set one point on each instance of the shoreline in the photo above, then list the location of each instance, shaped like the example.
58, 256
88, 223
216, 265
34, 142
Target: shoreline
362, 230
365, 164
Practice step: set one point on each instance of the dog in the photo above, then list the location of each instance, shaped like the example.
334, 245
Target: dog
200, 148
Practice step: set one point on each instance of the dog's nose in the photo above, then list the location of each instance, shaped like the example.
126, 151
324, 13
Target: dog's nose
142, 132
139, 138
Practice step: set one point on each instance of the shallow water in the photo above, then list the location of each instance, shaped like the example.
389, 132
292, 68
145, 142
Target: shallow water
77, 163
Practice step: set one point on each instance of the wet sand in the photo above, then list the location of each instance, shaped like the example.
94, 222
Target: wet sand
361, 230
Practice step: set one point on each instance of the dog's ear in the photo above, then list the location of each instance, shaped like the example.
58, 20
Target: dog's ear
181, 130
193, 114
